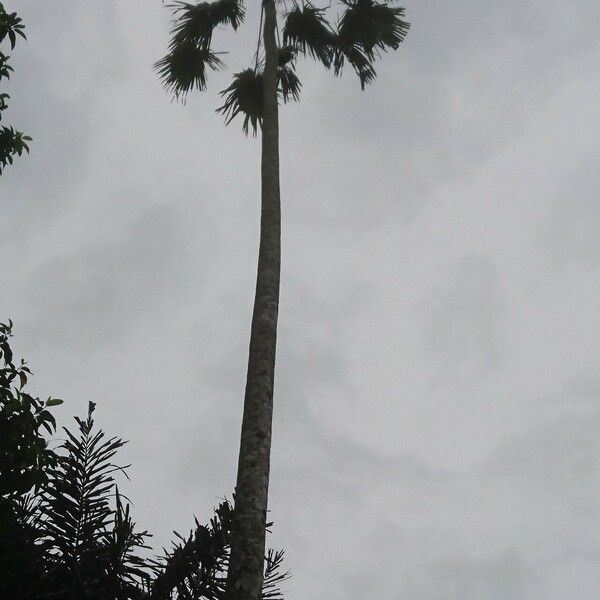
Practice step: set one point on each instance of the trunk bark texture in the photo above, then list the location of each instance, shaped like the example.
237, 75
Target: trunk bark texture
246, 566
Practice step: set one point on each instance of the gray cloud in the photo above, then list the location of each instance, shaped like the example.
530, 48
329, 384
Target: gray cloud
437, 393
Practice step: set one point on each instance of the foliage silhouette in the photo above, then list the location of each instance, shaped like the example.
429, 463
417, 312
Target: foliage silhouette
91, 544
24, 462
24, 452
69, 535
364, 30
197, 565
12, 142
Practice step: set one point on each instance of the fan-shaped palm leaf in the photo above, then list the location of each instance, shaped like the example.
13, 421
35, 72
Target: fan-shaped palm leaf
289, 84
245, 96
196, 22
307, 30
184, 68
372, 26
365, 28
359, 61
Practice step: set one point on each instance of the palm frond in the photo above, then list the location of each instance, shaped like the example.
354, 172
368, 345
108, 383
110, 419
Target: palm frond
196, 22
366, 28
196, 566
23, 550
289, 84
184, 68
127, 574
359, 61
274, 576
307, 30
373, 26
287, 55
75, 508
244, 96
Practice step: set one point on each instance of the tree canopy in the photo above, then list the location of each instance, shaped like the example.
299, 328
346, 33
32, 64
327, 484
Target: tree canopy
12, 142
352, 32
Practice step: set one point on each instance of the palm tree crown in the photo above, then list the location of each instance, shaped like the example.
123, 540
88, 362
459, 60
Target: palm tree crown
359, 32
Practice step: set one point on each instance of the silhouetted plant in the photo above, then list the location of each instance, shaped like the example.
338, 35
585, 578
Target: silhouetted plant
126, 572
24, 452
361, 32
12, 142
67, 534
196, 566
92, 546
24, 462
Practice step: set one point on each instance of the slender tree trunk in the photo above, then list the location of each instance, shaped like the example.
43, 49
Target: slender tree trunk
244, 580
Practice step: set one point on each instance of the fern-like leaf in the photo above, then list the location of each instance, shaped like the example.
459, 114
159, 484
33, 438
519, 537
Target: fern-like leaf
76, 513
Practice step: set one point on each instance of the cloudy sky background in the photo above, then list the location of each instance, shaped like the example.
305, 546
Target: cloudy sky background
438, 382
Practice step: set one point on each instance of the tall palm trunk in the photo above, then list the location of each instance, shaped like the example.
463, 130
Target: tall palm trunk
244, 580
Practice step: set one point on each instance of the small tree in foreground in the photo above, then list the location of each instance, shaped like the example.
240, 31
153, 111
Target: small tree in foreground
25, 460
67, 533
347, 32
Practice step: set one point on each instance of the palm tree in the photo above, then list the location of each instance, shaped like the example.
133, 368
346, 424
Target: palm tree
363, 30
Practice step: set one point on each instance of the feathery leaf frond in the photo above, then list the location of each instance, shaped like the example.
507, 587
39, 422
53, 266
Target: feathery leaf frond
273, 575
196, 566
86, 558
126, 573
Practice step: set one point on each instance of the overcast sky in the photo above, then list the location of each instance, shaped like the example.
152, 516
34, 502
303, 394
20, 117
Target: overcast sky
438, 386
